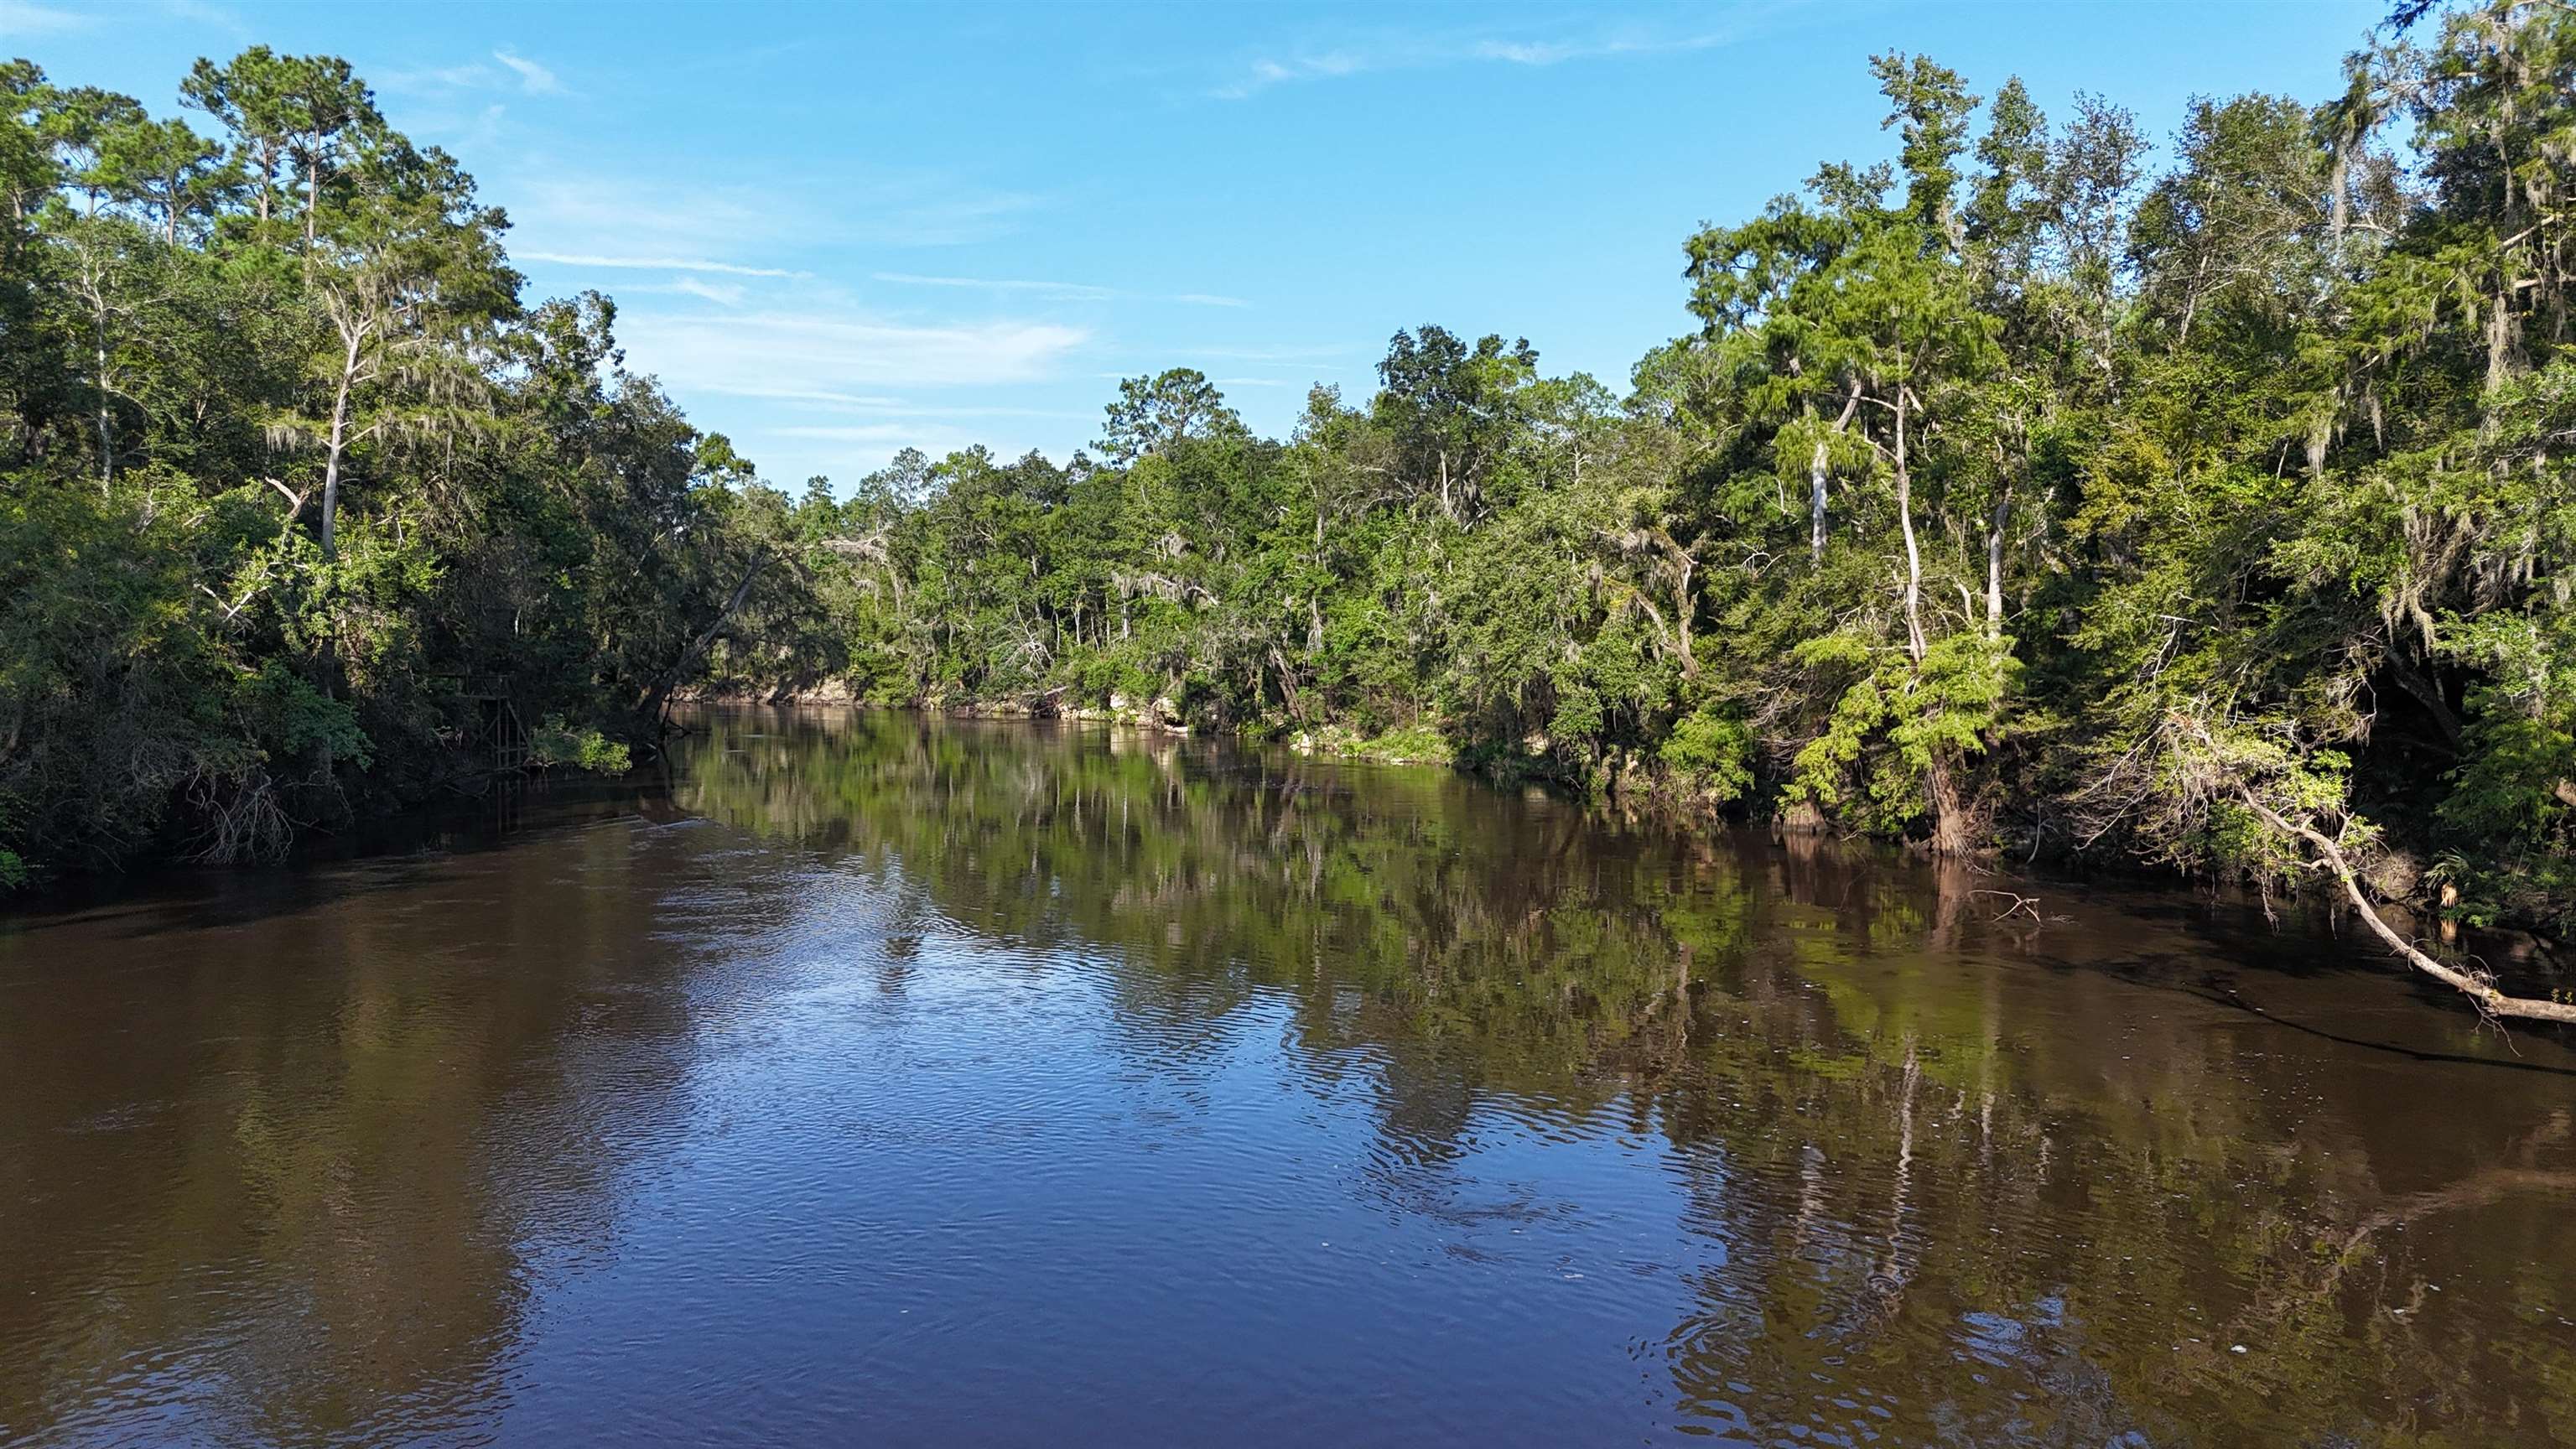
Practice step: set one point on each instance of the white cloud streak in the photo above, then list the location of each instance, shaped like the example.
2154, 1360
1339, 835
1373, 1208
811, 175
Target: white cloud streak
1060, 291
881, 405
200, 13
591, 214
1403, 51
654, 264
534, 79
1293, 356
772, 353
17, 18
516, 72
1055, 291
723, 294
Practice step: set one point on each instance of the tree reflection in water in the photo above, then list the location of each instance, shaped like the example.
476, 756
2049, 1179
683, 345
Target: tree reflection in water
1957, 1178
1811, 1144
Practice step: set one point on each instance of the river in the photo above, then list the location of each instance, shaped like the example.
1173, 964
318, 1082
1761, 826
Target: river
878, 1080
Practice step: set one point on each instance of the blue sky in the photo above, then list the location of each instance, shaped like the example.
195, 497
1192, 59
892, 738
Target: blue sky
834, 232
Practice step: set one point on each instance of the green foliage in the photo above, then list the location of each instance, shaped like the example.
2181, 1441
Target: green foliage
2001, 490
1714, 753
286, 717
555, 743
284, 459
1417, 744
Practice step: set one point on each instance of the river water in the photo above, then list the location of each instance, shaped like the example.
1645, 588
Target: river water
874, 1080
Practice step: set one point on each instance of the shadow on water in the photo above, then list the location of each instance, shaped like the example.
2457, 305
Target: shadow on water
400, 852
1030, 1084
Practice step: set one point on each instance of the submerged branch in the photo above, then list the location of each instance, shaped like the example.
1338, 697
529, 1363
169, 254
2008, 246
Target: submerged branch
2490, 1000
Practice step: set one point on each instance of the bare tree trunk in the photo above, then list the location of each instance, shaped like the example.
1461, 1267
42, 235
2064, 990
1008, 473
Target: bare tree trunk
1995, 565
658, 699
330, 517
1287, 684
2428, 694
1816, 503
1816, 475
106, 422
1954, 824
1914, 641
1682, 612
1954, 833
2489, 999
2191, 303
338, 444
2499, 353
2338, 181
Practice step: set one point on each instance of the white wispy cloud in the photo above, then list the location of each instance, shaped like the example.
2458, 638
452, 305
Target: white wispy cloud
915, 418
822, 349
1056, 291
723, 294
855, 402
1323, 65
200, 13
1403, 50
853, 450
1557, 52
859, 433
559, 209
733, 296
481, 133
18, 18
886, 404
814, 383
430, 81
534, 79
1062, 291
1295, 356
654, 264
930, 212
515, 72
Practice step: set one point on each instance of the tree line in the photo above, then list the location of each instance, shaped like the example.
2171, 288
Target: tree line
285, 457
2029, 488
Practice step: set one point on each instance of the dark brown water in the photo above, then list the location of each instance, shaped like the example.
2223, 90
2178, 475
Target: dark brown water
891, 1082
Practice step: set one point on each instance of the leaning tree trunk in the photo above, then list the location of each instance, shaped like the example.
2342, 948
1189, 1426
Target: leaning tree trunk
1819, 469
1955, 828
2490, 1000
658, 699
335, 449
1914, 642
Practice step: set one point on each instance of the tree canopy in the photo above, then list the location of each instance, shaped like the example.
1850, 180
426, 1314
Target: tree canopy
2032, 486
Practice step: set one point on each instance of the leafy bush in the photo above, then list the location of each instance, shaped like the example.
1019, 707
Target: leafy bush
555, 744
1711, 753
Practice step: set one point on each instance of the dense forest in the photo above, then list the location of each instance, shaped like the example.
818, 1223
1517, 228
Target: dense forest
2048, 487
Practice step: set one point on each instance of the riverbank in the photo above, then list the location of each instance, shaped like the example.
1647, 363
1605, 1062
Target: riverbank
2416, 905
